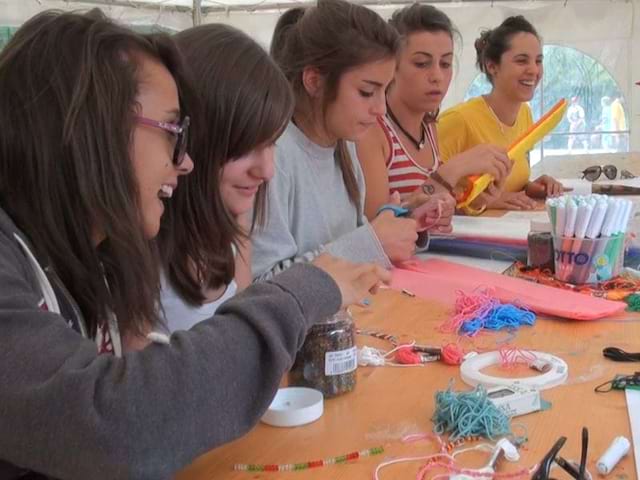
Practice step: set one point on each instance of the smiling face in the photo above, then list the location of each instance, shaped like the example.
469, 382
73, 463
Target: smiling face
360, 99
425, 69
520, 69
152, 148
241, 178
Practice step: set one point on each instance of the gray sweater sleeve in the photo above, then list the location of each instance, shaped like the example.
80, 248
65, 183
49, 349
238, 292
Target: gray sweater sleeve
71, 413
276, 248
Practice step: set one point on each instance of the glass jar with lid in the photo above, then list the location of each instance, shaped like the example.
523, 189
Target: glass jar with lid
328, 359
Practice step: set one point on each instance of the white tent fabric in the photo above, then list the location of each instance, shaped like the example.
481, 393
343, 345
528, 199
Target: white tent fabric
603, 29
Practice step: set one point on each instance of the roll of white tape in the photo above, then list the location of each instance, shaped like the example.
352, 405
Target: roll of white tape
618, 449
294, 406
471, 372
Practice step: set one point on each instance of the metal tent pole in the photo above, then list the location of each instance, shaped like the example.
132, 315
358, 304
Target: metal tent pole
197, 12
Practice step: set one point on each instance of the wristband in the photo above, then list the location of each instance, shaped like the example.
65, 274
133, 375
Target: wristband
456, 193
436, 177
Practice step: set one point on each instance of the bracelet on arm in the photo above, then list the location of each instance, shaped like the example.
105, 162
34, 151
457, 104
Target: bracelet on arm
456, 192
436, 177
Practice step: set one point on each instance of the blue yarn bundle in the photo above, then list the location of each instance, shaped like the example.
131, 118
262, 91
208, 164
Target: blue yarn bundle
468, 414
498, 317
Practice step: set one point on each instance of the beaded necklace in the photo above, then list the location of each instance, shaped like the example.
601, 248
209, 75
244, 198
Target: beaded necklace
501, 124
423, 134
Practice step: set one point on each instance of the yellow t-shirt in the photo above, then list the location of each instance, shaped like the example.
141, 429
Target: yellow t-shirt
473, 123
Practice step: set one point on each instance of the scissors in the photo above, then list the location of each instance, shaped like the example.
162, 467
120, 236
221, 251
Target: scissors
552, 457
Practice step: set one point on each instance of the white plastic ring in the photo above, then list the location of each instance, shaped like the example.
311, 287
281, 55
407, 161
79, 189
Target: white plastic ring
470, 370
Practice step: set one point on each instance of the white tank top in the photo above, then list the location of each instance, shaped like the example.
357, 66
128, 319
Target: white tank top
179, 315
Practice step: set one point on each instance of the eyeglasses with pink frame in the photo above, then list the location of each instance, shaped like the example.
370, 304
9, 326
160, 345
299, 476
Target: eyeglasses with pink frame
181, 131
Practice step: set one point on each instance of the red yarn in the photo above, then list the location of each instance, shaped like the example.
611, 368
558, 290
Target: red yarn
406, 356
452, 354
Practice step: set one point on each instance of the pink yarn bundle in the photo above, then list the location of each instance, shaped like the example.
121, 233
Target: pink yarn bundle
469, 307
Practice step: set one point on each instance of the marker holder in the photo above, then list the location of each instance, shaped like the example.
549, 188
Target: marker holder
583, 260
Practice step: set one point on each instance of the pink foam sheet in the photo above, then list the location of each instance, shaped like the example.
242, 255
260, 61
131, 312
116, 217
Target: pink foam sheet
439, 280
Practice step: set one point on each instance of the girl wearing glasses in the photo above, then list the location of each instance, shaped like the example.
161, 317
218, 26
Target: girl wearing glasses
246, 103
339, 58
401, 154
78, 273
511, 57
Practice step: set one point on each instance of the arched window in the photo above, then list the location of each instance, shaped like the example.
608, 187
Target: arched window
597, 120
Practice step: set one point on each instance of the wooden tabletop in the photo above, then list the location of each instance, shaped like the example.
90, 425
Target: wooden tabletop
389, 403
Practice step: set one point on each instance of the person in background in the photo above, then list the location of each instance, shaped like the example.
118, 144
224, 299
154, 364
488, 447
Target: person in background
619, 120
511, 58
606, 122
245, 102
577, 124
339, 58
400, 153
79, 271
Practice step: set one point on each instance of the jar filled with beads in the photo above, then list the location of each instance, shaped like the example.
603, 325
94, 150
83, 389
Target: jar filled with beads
328, 359
540, 246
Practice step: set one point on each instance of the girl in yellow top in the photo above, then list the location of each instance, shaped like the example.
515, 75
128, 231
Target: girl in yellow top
511, 57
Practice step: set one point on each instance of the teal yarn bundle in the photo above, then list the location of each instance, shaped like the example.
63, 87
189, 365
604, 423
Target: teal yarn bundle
468, 414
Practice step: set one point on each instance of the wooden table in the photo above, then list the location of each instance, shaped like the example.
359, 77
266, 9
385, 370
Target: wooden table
389, 403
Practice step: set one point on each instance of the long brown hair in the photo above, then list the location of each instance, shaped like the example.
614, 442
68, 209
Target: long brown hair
334, 36
419, 17
244, 103
69, 86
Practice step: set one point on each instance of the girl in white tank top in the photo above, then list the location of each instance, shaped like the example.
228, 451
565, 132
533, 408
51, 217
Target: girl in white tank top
243, 103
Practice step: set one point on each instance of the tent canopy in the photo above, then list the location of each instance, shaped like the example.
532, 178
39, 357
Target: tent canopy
214, 6
600, 30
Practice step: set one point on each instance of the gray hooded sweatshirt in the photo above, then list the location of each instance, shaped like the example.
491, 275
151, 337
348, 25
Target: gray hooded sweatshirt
70, 413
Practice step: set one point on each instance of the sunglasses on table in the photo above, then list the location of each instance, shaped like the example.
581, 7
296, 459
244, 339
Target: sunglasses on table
552, 458
180, 131
610, 171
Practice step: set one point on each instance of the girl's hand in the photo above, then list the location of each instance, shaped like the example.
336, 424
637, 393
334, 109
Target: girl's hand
355, 280
435, 213
545, 186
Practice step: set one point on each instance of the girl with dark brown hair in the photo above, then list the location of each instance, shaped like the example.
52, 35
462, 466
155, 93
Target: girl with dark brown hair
401, 153
339, 58
244, 104
94, 139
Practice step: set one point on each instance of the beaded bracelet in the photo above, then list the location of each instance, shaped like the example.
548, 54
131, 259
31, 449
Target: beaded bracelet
294, 467
451, 446
381, 335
